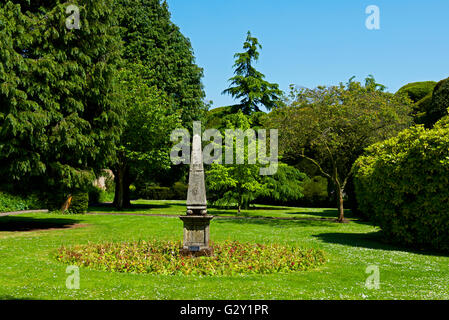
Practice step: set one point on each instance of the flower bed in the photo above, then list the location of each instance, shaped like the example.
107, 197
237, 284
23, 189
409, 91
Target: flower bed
158, 257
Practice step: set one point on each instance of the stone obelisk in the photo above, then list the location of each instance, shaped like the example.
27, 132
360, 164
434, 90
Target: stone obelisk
196, 222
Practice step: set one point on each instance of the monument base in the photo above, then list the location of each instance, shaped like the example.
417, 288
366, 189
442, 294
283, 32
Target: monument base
196, 236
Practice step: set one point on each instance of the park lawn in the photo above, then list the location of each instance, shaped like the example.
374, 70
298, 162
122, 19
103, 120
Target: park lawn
28, 269
178, 207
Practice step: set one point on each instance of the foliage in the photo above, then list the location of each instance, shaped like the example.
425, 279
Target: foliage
154, 41
315, 191
417, 90
431, 100
58, 103
287, 184
145, 142
241, 183
402, 185
248, 84
9, 202
230, 258
156, 193
94, 194
180, 190
440, 101
80, 203
331, 126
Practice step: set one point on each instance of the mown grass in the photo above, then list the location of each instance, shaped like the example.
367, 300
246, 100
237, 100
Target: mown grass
28, 269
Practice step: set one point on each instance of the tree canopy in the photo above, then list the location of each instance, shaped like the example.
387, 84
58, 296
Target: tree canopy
153, 40
58, 94
331, 126
145, 142
248, 84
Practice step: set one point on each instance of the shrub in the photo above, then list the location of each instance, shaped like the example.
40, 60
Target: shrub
180, 190
422, 111
9, 202
440, 101
156, 193
417, 90
94, 194
80, 203
402, 185
229, 258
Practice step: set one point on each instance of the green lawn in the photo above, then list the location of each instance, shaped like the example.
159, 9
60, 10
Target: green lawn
29, 271
178, 207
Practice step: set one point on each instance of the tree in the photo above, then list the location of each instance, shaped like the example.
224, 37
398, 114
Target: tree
151, 39
58, 95
248, 84
331, 126
145, 141
241, 184
167, 72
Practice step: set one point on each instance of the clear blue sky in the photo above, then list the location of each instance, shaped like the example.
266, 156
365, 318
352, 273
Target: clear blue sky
319, 42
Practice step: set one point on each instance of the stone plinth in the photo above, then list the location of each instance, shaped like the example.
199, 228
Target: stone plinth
196, 235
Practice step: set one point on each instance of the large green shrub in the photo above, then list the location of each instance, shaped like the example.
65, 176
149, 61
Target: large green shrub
431, 100
417, 90
80, 203
402, 185
156, 193
180, 190
440, 100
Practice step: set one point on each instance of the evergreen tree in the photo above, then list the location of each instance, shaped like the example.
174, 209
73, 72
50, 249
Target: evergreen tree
151, 39
248, 84
59, 117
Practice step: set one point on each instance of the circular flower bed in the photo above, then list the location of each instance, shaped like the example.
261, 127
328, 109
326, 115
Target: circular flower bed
163, 258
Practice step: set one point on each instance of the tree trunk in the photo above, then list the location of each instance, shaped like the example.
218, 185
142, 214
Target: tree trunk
341, 211
122, 183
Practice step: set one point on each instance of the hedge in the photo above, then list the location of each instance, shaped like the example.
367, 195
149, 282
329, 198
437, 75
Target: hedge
156, 193
402, 185
417, 90
80, 203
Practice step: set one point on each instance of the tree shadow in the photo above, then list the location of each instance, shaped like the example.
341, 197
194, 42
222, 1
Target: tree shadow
323, 213
276, 222
20, 224
137, 207
373, 240
251, 208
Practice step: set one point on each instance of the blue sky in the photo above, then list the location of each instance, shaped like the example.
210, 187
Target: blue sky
317, 42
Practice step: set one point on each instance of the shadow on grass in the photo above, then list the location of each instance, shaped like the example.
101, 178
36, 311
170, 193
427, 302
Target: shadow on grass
138, 207
14, 298
15, 224
372, 240
278, 223
324, 213
251, 208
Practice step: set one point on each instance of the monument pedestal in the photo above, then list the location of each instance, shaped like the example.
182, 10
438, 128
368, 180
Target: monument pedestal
196, 235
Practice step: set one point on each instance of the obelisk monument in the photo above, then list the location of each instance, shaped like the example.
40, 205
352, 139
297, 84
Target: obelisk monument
196, 222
